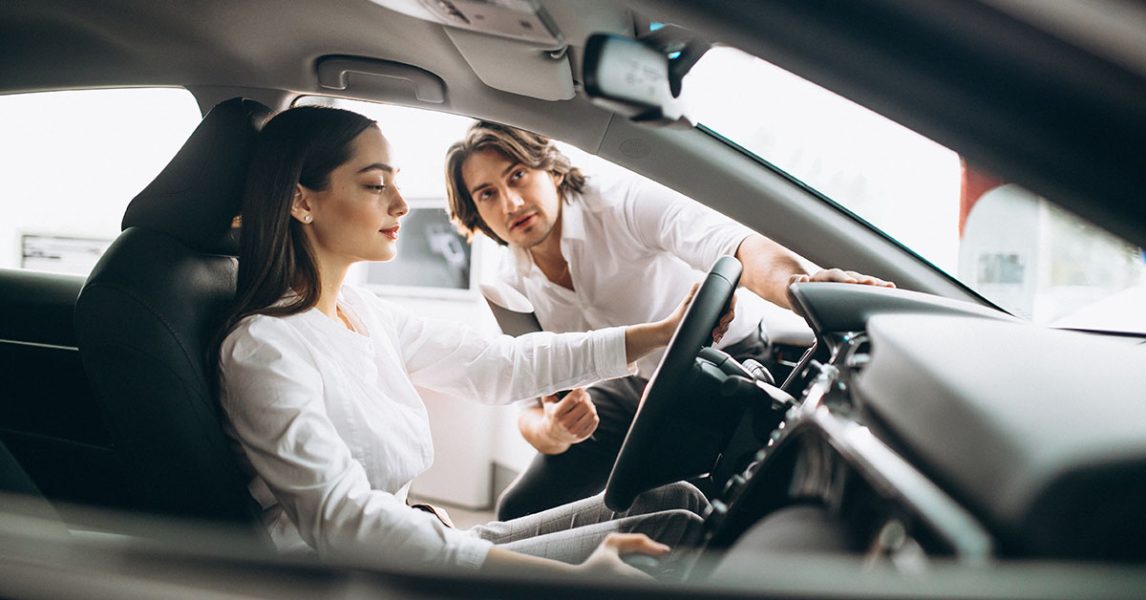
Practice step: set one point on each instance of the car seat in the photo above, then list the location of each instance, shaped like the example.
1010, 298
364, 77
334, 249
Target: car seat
147, 313
19, 494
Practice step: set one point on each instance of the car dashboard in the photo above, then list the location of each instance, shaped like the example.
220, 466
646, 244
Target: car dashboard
922, 429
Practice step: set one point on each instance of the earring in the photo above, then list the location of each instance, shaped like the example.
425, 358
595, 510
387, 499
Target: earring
307, 219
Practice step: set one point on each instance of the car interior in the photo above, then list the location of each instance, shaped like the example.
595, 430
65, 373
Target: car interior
923, 441
146, 315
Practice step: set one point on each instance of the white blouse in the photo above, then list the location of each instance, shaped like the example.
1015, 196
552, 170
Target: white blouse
333, 427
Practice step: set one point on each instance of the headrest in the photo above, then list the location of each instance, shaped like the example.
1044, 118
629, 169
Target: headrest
198, 193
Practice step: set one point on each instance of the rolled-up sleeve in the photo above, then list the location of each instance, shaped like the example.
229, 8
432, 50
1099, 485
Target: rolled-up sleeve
457, 360
273, 399
666, 220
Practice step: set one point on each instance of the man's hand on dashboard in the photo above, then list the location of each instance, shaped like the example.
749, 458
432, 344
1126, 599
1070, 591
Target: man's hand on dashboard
569, 420
840, 276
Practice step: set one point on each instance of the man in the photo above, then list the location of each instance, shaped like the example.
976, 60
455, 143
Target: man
591, 255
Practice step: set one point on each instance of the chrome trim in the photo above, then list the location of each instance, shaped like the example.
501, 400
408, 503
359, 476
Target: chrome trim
882, 467
854, 343
38, 345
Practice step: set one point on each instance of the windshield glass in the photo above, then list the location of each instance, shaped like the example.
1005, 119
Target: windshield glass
1008, 244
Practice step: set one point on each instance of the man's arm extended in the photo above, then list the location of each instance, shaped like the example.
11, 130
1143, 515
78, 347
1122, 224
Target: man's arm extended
770, 268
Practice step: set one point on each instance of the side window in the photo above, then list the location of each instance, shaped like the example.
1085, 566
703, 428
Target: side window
1005, 242
73, 160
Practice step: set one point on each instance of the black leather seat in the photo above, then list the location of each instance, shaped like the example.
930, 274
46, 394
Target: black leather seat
19, 494
149, 310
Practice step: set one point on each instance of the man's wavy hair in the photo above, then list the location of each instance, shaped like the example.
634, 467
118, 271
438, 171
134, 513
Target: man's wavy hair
530, 149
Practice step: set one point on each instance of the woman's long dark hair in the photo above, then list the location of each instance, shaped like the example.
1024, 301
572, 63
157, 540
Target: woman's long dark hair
298, 146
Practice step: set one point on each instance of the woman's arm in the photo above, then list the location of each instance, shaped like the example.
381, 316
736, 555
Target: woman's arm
457, 360
273, 397
644, 338
454, 359
605, 560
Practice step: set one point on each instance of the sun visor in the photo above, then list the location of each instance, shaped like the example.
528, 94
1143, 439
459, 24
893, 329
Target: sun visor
520, 46
516, 67
523, 20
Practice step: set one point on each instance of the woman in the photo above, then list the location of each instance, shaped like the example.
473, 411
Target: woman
320, 381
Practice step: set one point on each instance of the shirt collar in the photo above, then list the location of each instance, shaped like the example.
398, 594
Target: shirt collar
572, 228
573, 219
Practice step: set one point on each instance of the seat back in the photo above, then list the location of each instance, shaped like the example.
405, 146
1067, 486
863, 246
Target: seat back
49, 420
19, 494
149, 310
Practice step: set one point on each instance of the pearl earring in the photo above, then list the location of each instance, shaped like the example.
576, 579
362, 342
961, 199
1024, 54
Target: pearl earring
307, 219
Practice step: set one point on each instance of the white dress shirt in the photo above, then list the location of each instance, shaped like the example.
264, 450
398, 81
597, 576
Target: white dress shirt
331, 421
634, 248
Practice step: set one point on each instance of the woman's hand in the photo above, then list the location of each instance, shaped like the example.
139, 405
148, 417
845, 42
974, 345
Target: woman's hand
669, 325
642, 339
606, 559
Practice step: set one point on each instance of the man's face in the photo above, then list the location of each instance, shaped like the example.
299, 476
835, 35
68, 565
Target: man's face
520, 204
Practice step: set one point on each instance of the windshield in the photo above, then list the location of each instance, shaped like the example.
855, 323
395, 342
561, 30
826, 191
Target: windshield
1008, 244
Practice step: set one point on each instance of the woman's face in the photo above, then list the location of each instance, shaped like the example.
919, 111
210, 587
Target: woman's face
520, 204
356, 217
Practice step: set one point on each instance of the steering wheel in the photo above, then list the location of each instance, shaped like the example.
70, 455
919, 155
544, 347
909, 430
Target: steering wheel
669, 439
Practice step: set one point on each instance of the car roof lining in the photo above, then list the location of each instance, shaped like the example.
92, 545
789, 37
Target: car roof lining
240, 45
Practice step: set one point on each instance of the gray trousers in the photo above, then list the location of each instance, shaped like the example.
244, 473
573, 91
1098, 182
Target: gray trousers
672, 514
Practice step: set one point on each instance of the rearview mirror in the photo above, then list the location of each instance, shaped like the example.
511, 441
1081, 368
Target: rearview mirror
636, 78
